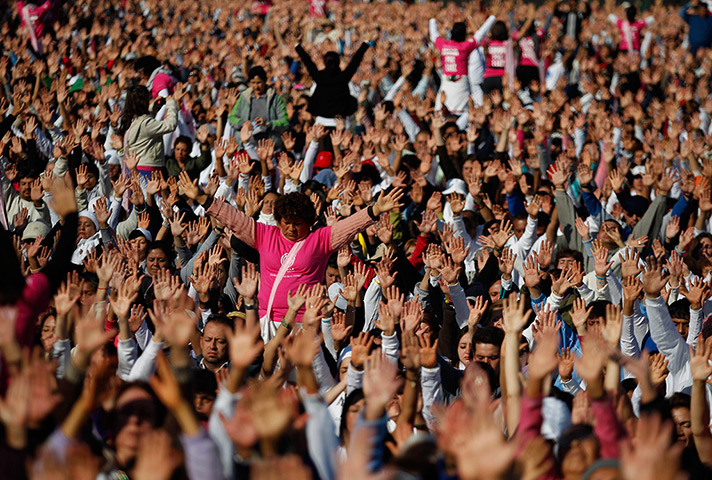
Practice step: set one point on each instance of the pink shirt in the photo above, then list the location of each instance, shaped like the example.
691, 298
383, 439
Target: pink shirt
529, 55
630, 32
309, 265
454, 55
496, 58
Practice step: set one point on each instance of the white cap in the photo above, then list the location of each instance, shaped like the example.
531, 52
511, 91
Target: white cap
455, 185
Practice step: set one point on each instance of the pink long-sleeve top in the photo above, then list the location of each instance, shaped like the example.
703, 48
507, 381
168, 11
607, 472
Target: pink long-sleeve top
454, 55
310, 263
630, 33
607, 428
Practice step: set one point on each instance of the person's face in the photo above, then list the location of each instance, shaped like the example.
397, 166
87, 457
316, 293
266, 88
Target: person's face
631, 219
467, 169
47, 335
156, 261
332, 275
135, 412
91, 181
114, 172
683, 425
85, 228
87, 293
141, 244
203, 404
259, 87
294, 229
494, 291
352, 415
25, 187
523, 354
181, 152
593, 324
214, 344
421, 142
464, 350
682, 326
580, 456
566, 262
519, 225
268, 203
344, 367
489, 354
706, 247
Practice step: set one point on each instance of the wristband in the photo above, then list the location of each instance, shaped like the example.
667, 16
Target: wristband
250, 307
371, 214
286, 325
601, 278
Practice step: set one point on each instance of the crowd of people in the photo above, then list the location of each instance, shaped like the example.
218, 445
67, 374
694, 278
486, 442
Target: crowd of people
355, 240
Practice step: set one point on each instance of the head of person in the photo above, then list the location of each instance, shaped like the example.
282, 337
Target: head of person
680, 315
494, 290
137, 411
630, 12
182, 148
332, 271
87, 225
205, 388
47, 324
158, 257
257, 80
578, 449
268, 203
213, 342
499, 31
331, 62
567, 257
520, 224
596, 317
354, 403
680, 411
464, 349
610, 228
459, 31
137, 103
295, 215
702, 246
26, 179
87, 288
140, 239
486, 346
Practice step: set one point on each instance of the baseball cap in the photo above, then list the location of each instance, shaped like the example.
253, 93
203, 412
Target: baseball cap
35, 229
323, 160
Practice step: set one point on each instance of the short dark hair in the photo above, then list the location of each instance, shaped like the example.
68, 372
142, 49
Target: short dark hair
598, 309
568, 253
183, 139
680, 309
257, 72
459, 32
679, 400
488, 335
295, 205
159, 245
220, 319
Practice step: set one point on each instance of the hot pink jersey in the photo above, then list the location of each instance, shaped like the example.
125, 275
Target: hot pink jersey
529, 55
496, 60
454, 55
630, 32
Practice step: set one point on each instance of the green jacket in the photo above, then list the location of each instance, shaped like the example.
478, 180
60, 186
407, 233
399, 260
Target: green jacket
277, 112
192, 165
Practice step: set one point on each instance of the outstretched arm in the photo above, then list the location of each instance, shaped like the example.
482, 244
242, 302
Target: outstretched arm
307, 61
356, 60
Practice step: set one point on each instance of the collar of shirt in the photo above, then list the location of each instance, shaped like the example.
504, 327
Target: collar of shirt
201, 364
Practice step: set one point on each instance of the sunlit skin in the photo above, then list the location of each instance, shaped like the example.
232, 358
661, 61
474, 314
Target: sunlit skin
294, 229
180, 153
268, 203
87, 293
682, 325
520, 224
683, 425
24, 188
489, 354
85, 228
332, 276
47, 335
259, 87
156, 261
141, 244
705, 247
464, 350
213, 342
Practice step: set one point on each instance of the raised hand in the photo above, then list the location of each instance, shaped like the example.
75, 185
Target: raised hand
506, 262
514, 316
388, 202
653, 279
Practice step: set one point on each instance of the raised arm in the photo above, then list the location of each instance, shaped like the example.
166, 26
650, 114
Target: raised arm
243, 227
343, 231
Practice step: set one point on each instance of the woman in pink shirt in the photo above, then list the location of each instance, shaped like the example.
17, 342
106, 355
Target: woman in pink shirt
498, 53
295, 216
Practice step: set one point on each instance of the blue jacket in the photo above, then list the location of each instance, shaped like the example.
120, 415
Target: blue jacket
700, 35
